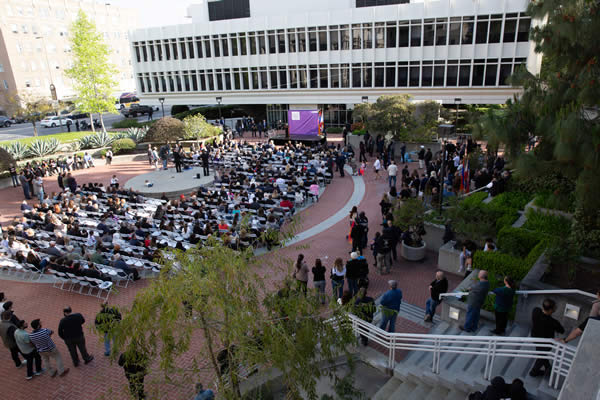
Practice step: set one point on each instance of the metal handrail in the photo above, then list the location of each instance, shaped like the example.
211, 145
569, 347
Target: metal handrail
527, 292
491, 347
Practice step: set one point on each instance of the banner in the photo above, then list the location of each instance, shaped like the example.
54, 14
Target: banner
303, 122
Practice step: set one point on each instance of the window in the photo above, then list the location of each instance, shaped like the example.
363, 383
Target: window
1, 67
367, 36
5, 84
234, 46
414, 74
283, 78
415, 33
510, 30
292, 42
323, 41
439, 72
345, 75
464, 75
356, 39
505, 73
335, 76
264, 83
254, 75
390, 33
356, 76
262, 46
452, 73
207, 51
167, 50
467, 31
303, 76
523, 32
293, 77
252, 42
273, 76
314, 79
345, 37
428, 33
312, 40
495, 31
379, 74
379, 36
491, 71
199, 46
236, 79
367, 75
426, 74
478, 73
441, 32
323, 81
402, 74
272, 45
482, 31
175, 53
390, 75
216, 47
301, 40
243, 49
403, 35
224, 46
454, 34
334, 36
228, 9
190, 45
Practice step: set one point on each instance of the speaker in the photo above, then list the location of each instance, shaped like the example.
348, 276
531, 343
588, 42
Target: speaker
197, 176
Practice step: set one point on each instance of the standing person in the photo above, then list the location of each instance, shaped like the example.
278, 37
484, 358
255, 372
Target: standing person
24, 185
428, 158
338, 273
150, 155
390, 307
105, 320
150, 114
376, 167
357, 234
340, 160
475, 300
135, 365
364, 307
13, 175
70, 329
353, 272
60, 180
403, 152
503, 304
177, 157
421, 157
47, 349
437, 287
362, 156
392, 172
319, 279
205, 157
544, 326
155, 158
164, 155
7, 333
109, 157
38, 187
28, 350
301, 273
383, 250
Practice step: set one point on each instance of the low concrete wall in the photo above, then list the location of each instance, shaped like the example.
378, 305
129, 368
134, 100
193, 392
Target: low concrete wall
526, 304
582, 381
454, 304
449, 258
548, 211
434, 236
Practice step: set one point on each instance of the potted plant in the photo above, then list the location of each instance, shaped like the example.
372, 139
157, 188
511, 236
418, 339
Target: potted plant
410, 217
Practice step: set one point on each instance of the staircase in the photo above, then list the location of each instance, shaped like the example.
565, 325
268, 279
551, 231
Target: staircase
460, 374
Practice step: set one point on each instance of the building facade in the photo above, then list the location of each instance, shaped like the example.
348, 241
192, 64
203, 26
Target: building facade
35, 48
335, 52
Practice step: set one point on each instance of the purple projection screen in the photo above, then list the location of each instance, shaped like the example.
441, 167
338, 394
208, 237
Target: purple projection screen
303, 122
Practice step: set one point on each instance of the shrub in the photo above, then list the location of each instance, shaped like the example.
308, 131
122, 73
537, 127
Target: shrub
474, 199
334, 129
516, 200
549, 224
178, 108
17, 150
556, 201
101, 139
517, 241
357, 126
86, 142
196, 127
126, 123
124, 145
410, 217
5, 160
165, 130
136, 134
498, 263
41, 148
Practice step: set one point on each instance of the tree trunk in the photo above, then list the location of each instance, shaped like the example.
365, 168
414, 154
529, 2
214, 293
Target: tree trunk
92, 122
35, 132
102, 123
209, 344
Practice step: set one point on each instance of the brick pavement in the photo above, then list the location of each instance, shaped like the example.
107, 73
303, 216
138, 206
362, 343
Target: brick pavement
100, 379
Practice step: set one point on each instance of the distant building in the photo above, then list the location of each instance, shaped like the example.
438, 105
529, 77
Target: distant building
35, 49
335, 53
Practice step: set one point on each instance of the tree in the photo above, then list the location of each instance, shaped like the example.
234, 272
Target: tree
196, 127
29, 107
388, 114
213, 296
92, 73
167, 129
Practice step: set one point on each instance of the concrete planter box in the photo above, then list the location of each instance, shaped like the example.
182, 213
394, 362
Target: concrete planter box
547, 210
434, 236
413, 253
449, 258
455, 311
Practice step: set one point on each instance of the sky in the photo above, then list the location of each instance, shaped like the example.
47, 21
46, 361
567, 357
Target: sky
158, 12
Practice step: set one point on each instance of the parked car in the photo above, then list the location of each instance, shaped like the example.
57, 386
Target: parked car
52, 122
5, 121
136, 109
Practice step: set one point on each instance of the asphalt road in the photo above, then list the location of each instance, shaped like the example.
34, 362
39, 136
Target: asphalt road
24, 130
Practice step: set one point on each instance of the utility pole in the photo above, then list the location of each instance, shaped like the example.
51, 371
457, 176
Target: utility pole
53, 95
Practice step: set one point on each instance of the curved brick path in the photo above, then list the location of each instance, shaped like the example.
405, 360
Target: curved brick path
100, 379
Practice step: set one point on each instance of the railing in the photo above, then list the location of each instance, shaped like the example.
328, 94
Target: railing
528, 292
489, 347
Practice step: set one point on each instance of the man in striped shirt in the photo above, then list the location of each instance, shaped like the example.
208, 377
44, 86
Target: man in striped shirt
47, 349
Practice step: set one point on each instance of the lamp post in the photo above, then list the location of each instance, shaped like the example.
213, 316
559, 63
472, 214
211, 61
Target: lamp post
162, 105
457, 101
53, 95
219, 100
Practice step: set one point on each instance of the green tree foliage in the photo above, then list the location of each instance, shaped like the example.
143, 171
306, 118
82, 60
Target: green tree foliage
196, 127
6, 159
91, 72
31, 108
214, 297
387, 114
164, 130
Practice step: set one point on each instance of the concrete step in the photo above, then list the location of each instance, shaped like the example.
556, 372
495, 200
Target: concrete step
438, 392
386, 390
456, 394
403, 391
421, 392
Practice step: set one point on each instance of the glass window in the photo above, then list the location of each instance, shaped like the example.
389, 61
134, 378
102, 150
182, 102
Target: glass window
390, 76
245, 78
323, 41
262, 47
414, 76
137, 53
152, 54
426, 75
234, 47
356, 40
323, 83
505, 72
523, 33
283, 79
190, 45
367, 37
510, 29
183, 50
293, 77
314, 77
403, 36
467, 33
292, 42
302, 41
175, 55
144, 51
356, 76
243, 49
335, 76
281, 43
439, 72
334, 39
402, 76
345, 36
225, 47
379, 37
478, 74
210, 79
194, 81
490, 74
272, 44
252, 41
482, 31
236, 80
379, 76
227, 79
451, 75
167, 50
428, 35
390, 41
454, 35
441, 34
254, 75
207, 51
199, 46
345, 75
303, 76
495, 30
264, 83
312, 41
415, 36
203, 82
367, 75
465, 75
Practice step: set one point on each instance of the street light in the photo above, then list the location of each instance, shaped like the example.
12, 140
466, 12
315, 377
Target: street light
457, 101
219, 100
162, 105
53, 95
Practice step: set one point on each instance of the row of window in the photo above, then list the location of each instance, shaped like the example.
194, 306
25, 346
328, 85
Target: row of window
479, 72
374, 3
478, 29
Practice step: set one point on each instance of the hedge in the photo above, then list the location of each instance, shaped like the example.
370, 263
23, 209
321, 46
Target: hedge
502, 264
554, 225
126, 123
517, 200
124, 145
474, 199
334, 129
517, 241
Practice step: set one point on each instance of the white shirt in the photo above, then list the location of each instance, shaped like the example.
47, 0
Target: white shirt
377, 165
456, 160
392, 170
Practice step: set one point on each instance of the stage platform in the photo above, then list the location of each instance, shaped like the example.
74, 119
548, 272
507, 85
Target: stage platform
309, 140
169, 182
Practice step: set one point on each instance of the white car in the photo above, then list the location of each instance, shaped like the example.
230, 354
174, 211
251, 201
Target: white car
52, 122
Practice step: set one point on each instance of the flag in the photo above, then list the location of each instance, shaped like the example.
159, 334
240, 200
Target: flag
321, 123
465, 181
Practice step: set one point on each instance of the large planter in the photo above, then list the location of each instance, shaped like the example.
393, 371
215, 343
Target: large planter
413, 253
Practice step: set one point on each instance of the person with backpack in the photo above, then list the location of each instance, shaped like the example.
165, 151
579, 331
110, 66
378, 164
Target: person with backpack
364, 308
382, 248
